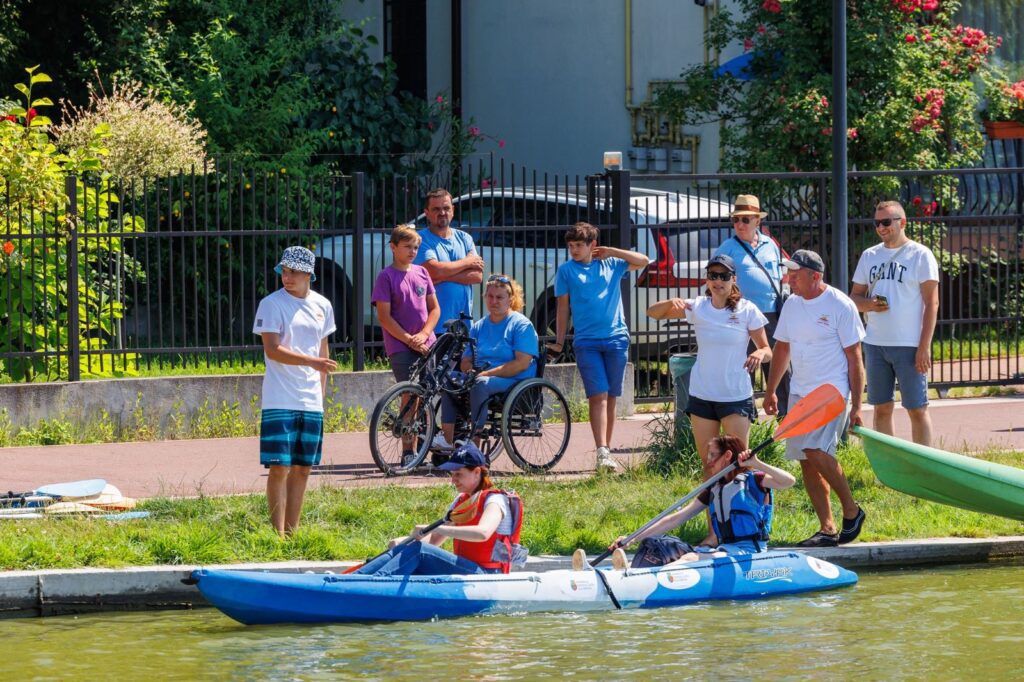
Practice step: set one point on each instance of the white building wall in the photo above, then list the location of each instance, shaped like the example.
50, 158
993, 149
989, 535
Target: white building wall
549, 76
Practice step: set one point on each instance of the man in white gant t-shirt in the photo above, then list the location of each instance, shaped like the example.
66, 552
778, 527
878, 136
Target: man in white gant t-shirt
896, 286
820, 331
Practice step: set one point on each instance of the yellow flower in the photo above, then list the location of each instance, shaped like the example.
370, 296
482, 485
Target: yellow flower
334, 110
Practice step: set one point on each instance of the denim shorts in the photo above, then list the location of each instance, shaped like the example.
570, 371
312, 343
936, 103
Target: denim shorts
602, 364
291, 437
717, 411
885, 365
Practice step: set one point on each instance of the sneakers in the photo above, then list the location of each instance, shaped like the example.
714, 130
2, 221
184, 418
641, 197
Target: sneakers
579, 560
820, 539
441, 443
408, 457
605, 461
619, 562
851, 527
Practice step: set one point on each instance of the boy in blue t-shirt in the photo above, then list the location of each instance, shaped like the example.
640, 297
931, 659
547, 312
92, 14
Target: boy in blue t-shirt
588, 286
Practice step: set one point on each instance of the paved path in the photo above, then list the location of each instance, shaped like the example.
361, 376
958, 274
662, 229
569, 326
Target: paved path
230, 465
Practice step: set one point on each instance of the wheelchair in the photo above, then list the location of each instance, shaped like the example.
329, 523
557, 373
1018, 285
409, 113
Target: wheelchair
531, 421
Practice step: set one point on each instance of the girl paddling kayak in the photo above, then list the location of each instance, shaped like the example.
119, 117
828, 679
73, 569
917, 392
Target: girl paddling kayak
740, 506
483, 521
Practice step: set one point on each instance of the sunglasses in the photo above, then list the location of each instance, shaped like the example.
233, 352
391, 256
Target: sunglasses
499, 278
719, 275
745, 219
886, 222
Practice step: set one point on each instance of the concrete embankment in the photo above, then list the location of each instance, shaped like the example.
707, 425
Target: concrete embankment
58, 592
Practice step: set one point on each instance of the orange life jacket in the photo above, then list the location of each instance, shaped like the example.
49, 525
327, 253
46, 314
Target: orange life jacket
497, 550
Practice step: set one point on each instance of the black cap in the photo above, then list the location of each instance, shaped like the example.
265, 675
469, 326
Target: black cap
804, 259
723, 260
466, 455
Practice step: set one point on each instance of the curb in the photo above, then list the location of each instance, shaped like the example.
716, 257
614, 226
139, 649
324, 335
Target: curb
54, 592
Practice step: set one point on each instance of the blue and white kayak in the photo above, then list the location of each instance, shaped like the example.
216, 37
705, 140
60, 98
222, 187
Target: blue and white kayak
256, 597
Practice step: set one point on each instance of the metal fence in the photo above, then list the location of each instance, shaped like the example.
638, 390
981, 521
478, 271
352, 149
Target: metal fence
114, 280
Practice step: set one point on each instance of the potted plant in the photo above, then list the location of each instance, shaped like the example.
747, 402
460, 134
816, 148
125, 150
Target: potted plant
1004, 113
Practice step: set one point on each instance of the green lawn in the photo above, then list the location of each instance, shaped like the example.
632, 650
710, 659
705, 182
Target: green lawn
355, 523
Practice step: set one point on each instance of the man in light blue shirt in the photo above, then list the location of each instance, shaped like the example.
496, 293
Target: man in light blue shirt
758, 273
450, 258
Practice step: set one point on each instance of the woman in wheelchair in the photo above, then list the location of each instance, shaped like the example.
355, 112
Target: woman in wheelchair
484, 523
506, 347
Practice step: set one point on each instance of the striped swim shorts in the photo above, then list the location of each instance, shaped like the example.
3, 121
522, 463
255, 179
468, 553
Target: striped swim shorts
290, 437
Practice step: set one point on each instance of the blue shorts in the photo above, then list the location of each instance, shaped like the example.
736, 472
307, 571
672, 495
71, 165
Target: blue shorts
717, 411
738, 548
602, 364
885, 365
291, 437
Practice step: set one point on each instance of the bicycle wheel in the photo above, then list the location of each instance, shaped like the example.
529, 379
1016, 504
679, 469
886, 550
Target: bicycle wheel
402, 420
535, 425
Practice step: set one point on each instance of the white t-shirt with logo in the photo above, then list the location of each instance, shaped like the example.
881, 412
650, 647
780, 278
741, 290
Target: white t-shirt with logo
302, 324
723, 336
899, 280
817, 331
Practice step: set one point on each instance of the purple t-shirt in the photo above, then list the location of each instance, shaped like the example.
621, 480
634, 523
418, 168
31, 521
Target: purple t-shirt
407, 293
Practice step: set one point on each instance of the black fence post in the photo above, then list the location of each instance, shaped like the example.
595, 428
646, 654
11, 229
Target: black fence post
620, 211
357, 275
74, 349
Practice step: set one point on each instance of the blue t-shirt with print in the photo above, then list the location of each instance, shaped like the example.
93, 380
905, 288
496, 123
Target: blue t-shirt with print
750, 278
452, 298
497, 342
594, 297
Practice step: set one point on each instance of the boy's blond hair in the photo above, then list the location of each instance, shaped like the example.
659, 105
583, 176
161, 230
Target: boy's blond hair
404, 233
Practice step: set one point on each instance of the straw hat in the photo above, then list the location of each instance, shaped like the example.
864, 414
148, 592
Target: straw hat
747, 204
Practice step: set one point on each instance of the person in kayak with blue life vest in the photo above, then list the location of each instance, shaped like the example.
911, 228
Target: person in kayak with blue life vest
741, 511
483, 521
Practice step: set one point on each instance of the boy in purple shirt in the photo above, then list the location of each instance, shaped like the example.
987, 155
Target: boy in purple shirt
406, 304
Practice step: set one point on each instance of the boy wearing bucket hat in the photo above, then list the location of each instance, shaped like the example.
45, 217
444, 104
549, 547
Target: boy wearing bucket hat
758, 272
294, 323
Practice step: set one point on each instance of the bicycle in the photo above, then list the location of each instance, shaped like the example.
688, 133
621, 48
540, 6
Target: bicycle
531, 421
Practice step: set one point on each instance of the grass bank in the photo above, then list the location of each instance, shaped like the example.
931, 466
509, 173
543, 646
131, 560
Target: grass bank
355, 523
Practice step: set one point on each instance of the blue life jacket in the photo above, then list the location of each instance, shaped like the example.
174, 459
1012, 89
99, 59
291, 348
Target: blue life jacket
740, 510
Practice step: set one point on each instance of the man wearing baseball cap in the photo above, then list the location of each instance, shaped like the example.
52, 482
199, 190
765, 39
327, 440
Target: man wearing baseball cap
820, 332
294, 323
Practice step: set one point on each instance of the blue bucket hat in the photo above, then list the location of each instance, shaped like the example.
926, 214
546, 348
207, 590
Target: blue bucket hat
466, 455
297, 258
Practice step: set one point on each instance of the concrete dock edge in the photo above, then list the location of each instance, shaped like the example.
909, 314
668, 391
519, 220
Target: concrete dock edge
85, 590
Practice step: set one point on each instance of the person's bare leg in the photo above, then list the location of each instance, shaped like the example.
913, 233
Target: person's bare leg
882, 420
449, 433
818, 491
921, 425
277, 477
599, 418
737, 425
609, 415
703, 431
296, 487
832, 471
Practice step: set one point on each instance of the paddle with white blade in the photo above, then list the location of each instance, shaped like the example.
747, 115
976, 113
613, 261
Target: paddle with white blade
813, 411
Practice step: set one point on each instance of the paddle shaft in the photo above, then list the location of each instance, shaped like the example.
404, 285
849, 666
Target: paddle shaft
677, 504
412, 537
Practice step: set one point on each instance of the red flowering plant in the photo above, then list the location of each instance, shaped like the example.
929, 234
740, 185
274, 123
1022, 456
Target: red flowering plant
911, 101
1004, 101
455, 140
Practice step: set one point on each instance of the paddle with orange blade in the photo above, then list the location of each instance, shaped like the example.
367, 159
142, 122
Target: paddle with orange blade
813, 411
412, 537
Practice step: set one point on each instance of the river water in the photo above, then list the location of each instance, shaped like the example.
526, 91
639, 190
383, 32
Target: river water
936, 624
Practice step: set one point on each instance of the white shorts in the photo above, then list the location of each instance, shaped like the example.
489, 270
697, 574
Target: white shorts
825, 438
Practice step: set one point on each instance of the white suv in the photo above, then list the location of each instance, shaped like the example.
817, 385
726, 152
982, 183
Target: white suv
520, 231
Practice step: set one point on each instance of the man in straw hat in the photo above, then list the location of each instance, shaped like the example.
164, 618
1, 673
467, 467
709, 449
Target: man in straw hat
294, 323
758, 261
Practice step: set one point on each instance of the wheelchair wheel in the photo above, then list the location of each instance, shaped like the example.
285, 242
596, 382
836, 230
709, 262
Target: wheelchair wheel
535, 425
402, 419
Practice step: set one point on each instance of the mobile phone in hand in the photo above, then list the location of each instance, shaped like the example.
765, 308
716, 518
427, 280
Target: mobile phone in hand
882, 299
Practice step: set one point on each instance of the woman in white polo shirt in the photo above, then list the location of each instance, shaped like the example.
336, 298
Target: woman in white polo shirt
721, 396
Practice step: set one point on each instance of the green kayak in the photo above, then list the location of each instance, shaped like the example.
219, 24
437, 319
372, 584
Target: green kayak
945, 477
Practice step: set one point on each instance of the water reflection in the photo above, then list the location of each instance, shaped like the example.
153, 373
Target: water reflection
929, 624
